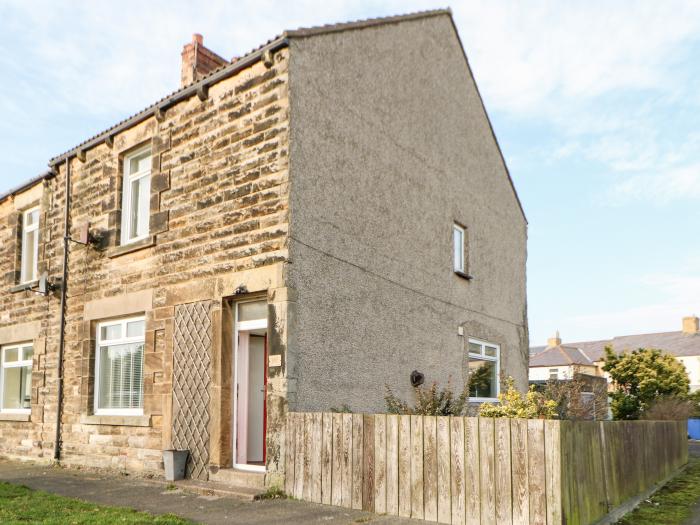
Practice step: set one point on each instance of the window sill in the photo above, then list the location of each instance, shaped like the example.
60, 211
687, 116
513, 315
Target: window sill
24, 287
463, 275
483, 400
148, 242
10, 416
121, 421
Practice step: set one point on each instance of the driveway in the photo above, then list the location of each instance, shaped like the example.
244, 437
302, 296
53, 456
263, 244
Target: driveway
153, 497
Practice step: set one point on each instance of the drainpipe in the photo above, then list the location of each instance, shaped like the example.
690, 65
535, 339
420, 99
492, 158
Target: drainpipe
62, 325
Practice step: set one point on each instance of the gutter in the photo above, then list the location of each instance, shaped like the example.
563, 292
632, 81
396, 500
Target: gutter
62, 323
28, 184
199, 88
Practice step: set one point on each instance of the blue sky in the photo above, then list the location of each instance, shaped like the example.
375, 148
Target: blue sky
596, 106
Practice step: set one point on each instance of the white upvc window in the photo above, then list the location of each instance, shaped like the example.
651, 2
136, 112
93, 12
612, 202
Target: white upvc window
119, 367
136, 196
29, 268
484, 370
458, 249
553, 373
16, 378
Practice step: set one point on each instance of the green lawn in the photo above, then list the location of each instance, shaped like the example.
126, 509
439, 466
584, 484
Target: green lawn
672, 504
21, 505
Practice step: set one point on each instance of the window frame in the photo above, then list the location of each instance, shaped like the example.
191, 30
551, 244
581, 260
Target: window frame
483, 357
460, 269
554, 371
23, 279
20, 363
115, 342
127, 197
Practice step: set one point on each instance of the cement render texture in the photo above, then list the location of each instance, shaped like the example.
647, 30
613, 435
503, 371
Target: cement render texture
148, 496
389, 146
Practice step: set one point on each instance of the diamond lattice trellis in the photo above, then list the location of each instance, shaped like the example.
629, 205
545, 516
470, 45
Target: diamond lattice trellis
191, 379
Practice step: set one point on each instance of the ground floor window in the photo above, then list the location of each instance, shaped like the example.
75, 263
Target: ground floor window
483, 370
119, 367
16, 378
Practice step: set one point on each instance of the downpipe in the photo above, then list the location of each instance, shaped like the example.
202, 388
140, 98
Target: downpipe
62, 323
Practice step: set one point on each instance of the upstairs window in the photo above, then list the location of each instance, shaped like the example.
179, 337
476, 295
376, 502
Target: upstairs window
553, 373
29, 269
458, 249
119, 367
483, 370
16, 378
136, 199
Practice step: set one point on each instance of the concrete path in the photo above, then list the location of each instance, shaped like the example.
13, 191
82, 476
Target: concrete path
153, 497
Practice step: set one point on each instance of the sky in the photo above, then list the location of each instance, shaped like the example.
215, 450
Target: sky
596, 106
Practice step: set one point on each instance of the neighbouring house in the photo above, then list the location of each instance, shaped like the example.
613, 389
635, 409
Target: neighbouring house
290, 230
558, 361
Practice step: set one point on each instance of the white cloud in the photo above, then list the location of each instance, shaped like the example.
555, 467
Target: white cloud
677, 295
661, 188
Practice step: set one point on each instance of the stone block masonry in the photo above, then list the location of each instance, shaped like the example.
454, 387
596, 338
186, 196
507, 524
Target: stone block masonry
218, 214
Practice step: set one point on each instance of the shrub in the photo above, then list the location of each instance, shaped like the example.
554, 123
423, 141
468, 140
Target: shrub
512, 403
669, 408
578, 400
430, 401
642, 376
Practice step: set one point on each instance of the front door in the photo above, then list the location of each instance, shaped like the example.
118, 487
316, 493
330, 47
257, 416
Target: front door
251, 385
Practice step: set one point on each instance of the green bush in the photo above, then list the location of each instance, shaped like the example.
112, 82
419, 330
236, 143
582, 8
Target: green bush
512, 403
641, 377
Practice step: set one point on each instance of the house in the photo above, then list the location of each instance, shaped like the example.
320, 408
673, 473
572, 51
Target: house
559, 362
290, 230
589, 356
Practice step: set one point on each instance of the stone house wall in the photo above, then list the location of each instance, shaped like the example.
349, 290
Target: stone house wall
219, 215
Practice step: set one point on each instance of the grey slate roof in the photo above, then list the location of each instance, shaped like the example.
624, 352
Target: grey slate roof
562, 355
677, 344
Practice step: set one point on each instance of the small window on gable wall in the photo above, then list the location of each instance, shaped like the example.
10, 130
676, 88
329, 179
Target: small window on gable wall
136, 196
458, 249
29, 268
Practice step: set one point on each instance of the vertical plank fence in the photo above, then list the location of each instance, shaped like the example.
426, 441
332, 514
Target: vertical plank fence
478, 470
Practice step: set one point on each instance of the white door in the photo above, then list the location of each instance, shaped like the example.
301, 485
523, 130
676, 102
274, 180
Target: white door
256, 399
250, 385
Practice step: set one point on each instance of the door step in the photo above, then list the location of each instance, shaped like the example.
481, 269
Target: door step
239, 478
213, 488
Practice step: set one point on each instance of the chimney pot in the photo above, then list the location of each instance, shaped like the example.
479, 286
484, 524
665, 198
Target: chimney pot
197, 39
691, 325
554, 341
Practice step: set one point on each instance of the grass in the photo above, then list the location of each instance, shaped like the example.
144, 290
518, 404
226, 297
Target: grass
22, 505
673, 503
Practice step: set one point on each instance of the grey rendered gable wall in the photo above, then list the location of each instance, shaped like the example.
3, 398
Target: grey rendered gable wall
389, 145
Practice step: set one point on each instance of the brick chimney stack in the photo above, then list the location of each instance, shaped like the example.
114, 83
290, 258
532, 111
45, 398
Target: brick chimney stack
198, 61
554, 341
691, 325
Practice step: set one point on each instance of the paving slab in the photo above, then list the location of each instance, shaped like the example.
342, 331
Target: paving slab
157, 498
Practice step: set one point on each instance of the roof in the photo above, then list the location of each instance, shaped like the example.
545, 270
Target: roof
678, 344
26, 185
255, 55
233, 67
560, 356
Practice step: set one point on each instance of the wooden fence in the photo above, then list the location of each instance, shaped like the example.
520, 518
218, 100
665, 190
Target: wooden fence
477, 470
